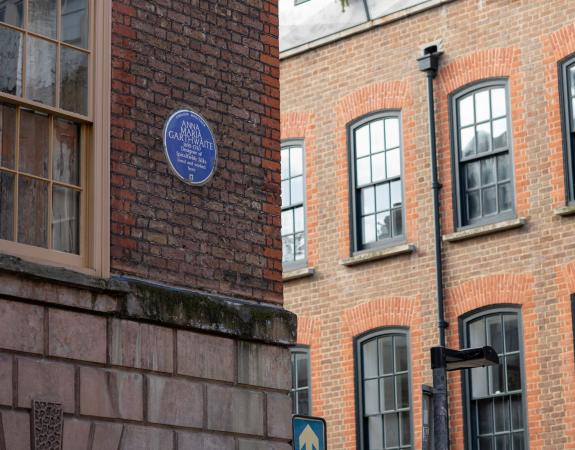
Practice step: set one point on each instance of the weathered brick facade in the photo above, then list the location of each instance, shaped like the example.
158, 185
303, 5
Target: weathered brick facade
530, 266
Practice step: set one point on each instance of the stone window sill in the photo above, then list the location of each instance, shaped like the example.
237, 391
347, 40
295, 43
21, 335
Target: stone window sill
375, 255
296, 274
565, 211
485, 230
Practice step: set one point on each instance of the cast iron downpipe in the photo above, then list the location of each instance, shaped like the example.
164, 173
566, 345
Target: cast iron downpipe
429, 64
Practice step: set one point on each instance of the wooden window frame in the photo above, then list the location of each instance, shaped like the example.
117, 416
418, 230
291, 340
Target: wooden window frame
567, 126
94, 257
301, 350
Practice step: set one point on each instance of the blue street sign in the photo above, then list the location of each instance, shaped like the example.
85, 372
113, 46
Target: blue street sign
309, 433
190, 147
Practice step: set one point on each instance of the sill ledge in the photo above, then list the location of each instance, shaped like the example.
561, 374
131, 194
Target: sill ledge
485, 229
296, 274
375, 255
565, 211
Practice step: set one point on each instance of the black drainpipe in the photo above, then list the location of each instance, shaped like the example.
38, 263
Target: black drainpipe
429, 64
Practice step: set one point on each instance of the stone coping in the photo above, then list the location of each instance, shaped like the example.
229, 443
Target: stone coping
374, 255
296, 274
483, 230
565, 211
136, 299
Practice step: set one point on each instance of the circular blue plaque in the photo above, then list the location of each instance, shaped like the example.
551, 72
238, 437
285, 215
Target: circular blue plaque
190, 147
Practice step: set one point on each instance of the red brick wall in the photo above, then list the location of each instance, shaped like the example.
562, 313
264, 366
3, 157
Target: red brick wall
220, 59
532, 267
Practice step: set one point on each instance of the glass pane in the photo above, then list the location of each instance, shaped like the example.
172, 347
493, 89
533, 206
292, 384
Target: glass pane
485, 416
502, 442
472, 175
376, 132
11, 57
66, 220
41, 71
42, 17
285, 193
477, 333
375, 431
285, 163
66, 152
299, 246
488, 171
370, 359
498, 102
74, 81
494, 333
363, 171
393, 164
386, 355
7, 136
485, 443
402, 391
467, 138
479, 382
505, 197
32, 211
34, 132
482, 106
489, 199
503, 172
405, 428
397, 219
6, 206
287, 248
303, 402
296, 187
368, 223
391, 133
501, 409
500, 133
296, 161
473, 205
572, 79
302, 370
391, 427
388, 393
368, 200
466, 116
383, 225
293, 396
287, 222
382, 197
371, 397
483, 137
497, 378
516, 412
400, 353
518, 441
11, 12
298, 219
513, 372
75, 24
378, 167
362, 141
396, 193
511, 333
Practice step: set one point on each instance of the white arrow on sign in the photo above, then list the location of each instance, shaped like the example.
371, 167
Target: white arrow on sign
308, 439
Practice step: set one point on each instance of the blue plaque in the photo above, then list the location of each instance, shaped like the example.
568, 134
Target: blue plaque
190, 147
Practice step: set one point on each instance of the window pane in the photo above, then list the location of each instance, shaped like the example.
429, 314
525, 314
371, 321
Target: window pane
400, 353
485, 416
66, 220
285, 164
501, 409
397, 219
302, 369
41, 71
466, 116
502, 442
477, 333
298, 219
391, 133
388, 393
489, 199
42, 17
494, 333
516, 412
382, 197
368, 223
299, 246
396, 193
472, 175
74, 84
498, 102
500, 133
497, 379
518, 441
505, 197
11, 12
376, 132
405, 428
75, 24
482, 106
467, 138
11, 57
511, 333
483, 137
303, 402
296, 187
486, 443
378, 167
287, 222
6, 206
375, 430
479, 382
370, 359
386, 355
371, 397
66, 152
296, 161
487, 171
34, 132
287, 248
285, 193
513, 373
391, 433
363, 171
402, 391
7, 136
368, 200
393, 164
503, 172
362, 141
32, 211
383, 225
572, 80
473, 205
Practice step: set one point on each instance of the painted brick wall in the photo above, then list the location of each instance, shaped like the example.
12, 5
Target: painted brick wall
532, 267
219, 58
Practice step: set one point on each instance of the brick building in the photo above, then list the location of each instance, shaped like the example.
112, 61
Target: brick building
359, 263
137, 311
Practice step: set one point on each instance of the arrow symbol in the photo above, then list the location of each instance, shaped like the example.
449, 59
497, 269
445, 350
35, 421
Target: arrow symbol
308, 439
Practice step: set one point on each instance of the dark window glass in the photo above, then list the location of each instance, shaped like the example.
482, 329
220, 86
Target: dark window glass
495, 394
300, 391
483, 154
568, 100
383, 373
377, 174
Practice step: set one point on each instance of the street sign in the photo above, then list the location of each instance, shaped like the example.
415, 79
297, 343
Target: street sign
309, 433
190, 147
